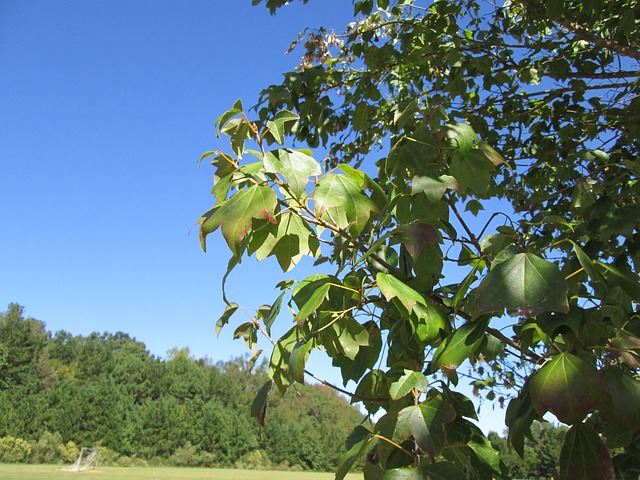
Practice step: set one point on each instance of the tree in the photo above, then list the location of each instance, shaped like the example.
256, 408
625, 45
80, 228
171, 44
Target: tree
541, 453
499, 225
23, 358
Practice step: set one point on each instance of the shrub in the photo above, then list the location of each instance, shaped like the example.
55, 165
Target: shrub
254, 460
187, 456
13, 450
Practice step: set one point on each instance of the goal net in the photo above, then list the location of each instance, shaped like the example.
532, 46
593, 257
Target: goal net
87, 460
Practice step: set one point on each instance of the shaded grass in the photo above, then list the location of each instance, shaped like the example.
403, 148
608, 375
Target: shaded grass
54, 472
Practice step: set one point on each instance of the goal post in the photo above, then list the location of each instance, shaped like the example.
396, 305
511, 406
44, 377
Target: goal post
87, 460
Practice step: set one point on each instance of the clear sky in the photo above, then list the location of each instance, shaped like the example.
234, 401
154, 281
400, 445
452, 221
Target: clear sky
105, 107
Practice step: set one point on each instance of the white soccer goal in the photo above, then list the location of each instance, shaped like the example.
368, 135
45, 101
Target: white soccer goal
87, 460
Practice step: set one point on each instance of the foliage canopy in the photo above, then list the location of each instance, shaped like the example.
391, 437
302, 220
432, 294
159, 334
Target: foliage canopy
477, 203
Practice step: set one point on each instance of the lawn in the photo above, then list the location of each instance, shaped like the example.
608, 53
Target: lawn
54, 472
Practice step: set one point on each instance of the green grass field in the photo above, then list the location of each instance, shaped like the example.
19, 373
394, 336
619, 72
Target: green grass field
54, 472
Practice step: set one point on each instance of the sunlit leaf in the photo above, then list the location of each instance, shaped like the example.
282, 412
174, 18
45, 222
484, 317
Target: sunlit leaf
458, 346
391, 288
289, 240
277, 125
229, 310
403, 474
407, 382
433, 188
279, 362
295, 166
525, 284
236, 215
340, 201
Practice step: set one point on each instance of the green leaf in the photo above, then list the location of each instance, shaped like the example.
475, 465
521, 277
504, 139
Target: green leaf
277, 125
488, 456
226, 116
289, 240
367, 356
443, 471
247, 331
525, 284
458, 346
627, 282
360, 116
229, 310
406, 383
584, 456
403, 474
295, 166
357, 444
463, 135
340, 201
236, 215
298, 360
391, 288
310, 294
274, 311
372, 391
425, 423
490, 153
624, 408
222, 177
279, 362
433, 188
473, 171
259, 405
568, 387
431, 323
518, 418
589, 267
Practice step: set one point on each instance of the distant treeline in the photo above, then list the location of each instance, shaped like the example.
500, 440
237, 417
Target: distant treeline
59, 392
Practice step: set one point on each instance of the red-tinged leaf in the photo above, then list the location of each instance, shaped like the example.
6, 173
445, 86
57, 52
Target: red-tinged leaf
259, 405
236, 215
490, 153
568, 387
584, 456
416, 235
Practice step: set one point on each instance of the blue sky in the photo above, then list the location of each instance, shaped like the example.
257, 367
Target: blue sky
105, 108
